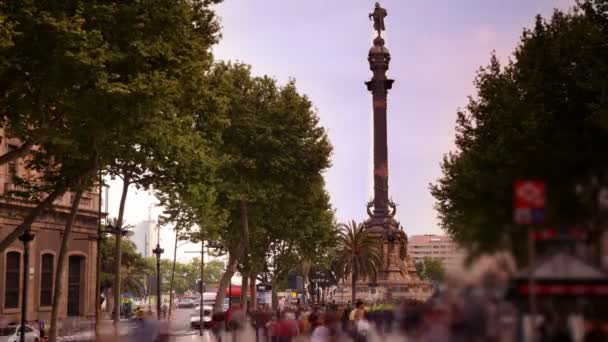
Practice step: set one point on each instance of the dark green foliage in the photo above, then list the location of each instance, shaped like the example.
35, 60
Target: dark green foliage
542, 116
431, 269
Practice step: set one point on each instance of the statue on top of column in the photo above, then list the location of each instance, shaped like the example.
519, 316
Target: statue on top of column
378, 17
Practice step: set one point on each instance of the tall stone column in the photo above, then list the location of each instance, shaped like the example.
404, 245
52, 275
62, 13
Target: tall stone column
379, 59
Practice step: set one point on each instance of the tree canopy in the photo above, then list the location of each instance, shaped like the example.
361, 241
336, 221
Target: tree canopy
99, 85
431, 269
543, 116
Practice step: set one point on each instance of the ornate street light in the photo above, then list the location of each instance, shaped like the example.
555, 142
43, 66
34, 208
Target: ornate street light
26, 237
158, 251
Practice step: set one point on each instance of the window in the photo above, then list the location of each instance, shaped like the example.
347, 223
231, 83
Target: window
11, 280
12, 165
46, 280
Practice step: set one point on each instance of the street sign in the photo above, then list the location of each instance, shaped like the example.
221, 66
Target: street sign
529, 202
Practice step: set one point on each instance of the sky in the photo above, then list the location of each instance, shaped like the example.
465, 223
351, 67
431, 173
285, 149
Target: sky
436, 48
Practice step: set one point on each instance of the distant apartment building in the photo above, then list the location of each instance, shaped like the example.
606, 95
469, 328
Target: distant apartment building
436, 246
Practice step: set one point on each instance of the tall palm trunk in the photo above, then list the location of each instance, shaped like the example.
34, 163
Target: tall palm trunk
173, 273
119, 223
59, 275
353, 288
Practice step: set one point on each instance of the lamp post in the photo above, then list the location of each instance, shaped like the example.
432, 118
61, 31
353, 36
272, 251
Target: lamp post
26, 237
158, 251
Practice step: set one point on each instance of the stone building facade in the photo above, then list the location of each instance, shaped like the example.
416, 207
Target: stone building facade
81, 264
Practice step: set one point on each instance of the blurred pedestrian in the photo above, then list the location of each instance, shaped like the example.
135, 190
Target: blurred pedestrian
164, 309
363, 327
346, 317
145, 329
596, 333
320, 333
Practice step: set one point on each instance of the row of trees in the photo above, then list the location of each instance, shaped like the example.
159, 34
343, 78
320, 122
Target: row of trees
266, 207
130, 90
542, 115
137, 270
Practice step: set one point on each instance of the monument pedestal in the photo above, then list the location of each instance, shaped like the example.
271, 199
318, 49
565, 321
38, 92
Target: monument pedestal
397, 280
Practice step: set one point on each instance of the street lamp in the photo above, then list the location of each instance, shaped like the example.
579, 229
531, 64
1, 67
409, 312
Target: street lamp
26, 237
158, 251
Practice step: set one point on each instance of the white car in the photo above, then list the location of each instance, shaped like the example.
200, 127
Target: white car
12, 333
186, 303
195, 317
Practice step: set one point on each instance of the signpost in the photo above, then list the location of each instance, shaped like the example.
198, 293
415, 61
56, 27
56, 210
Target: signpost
529, 199
529, 202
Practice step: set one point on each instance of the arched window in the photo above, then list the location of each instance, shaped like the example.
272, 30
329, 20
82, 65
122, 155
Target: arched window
46, 280
11, 280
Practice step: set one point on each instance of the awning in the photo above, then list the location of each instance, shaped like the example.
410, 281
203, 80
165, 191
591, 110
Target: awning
561, 274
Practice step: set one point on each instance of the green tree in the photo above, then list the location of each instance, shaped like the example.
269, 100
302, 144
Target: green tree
187, 274
359, 254
431, 269
101, 82
99, 85
134, 267
541, 116
297, 229
271, 144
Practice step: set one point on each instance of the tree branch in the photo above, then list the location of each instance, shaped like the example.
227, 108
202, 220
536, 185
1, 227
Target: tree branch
19, 152
42, 206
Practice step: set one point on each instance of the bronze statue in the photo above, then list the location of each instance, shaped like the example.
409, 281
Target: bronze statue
378, 16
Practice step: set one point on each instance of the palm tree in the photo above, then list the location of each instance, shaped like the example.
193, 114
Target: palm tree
359, 254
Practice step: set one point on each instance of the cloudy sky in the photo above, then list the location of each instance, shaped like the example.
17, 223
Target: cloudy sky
436, 47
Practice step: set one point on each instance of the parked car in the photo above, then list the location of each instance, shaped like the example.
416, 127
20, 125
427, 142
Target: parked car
186, 303
12, 333
195, 317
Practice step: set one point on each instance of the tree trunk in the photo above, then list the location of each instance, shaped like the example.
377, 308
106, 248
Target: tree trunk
244, 251
244, 288
353, 288
119, 223
275, 297
58, 191
19, 152
224, 282
59, 278
254, 292
173, 274
32, 215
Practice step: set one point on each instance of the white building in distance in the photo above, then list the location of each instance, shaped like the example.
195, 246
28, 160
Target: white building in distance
145, 237
437, 246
